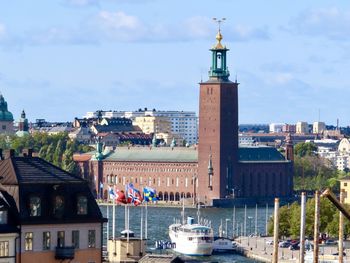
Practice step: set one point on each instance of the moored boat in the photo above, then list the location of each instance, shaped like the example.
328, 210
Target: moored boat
191, 239
223, 245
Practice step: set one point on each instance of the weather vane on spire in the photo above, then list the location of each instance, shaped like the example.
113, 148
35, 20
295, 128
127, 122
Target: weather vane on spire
219, 21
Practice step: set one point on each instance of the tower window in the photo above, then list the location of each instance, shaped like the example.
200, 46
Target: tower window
218, 60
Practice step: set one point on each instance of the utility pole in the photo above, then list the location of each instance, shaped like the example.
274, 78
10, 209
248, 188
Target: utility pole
275, 232
302, 228
316, 226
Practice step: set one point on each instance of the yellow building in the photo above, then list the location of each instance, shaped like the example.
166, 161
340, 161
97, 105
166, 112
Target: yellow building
153, 124
345, 185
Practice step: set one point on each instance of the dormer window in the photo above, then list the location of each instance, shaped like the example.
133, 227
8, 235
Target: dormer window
58, 206
82, 205
3, 217
34, 206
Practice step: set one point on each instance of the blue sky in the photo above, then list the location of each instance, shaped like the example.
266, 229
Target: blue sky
59, 59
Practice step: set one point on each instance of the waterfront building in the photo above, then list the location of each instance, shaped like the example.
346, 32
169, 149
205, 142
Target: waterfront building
81, 134
183, 123
345, 186
6, 117
153, 124
302, 127
213, 173
57, 215
276, 127
9, 231
318, 127
23, 127
289, 128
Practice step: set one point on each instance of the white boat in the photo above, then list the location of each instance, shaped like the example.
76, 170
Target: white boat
223, 245
192, 239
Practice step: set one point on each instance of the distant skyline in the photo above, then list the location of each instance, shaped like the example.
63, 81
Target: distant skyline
60, 59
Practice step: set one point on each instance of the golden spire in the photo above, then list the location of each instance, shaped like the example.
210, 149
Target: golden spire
218, 35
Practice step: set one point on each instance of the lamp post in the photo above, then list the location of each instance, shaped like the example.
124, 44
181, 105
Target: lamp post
194, 178
227, 219
250, 225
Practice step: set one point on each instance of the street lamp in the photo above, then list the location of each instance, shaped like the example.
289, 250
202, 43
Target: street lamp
250, 226
194, 178
227, 219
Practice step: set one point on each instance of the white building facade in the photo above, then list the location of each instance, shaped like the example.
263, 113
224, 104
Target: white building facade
276, 127
183, 123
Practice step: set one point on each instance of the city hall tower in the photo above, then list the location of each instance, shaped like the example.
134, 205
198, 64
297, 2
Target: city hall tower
218, 130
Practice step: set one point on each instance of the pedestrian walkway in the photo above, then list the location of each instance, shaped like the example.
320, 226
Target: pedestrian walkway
261, 249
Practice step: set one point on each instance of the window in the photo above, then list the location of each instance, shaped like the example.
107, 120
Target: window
28, 241
75, 238
58, 208
92, 238
60, 238
4, 249
82, 205
345, 184
46, 240
34, 206
3, 217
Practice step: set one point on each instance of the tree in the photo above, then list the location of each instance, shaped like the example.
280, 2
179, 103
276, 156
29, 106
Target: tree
305, 149
57, 157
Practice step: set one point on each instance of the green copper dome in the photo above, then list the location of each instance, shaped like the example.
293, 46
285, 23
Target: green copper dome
5, 115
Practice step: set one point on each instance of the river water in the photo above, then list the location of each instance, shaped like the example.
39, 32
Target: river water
159, 218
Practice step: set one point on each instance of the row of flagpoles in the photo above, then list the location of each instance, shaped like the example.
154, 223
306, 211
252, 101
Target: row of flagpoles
130, 196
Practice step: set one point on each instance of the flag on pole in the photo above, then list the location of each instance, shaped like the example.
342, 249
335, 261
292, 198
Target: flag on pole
133, 195
120, 196
111, 192
149, 194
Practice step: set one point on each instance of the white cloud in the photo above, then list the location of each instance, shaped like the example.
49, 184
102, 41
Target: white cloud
331, 23
81, 3
2, 31
118, 26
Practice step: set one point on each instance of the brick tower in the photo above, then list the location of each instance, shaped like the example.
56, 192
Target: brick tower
218, 130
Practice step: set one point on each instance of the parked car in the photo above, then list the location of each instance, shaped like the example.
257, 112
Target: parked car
284, 244
269, 242
294, 246
330, 242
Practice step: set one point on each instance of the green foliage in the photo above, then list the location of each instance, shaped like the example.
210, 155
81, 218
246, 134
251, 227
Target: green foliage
289, 216
315, 173
57, 149
305, 149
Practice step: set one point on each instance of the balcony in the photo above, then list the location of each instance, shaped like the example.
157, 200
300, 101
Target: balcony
64, 253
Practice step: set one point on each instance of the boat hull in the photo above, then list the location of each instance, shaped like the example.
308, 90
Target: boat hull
197, 246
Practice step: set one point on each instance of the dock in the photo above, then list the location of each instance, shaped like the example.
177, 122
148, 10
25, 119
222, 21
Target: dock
257, 248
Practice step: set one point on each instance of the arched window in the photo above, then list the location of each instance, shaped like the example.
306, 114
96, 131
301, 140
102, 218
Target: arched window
82, 205
34, 206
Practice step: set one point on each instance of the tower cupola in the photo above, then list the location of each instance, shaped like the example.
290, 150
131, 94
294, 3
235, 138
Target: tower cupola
218, 69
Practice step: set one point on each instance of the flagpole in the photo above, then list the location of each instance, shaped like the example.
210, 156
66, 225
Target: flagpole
146, 222
107, 217
141, 227
127, 235
113, 218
